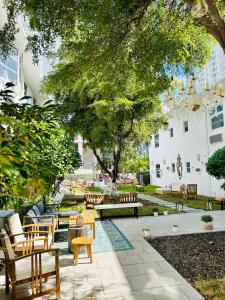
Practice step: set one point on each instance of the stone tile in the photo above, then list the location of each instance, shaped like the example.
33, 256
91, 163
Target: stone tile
146, 268
171, 278
130, 260
147, 281
140, 295
190, 292
169, 293
150, 257
165, 266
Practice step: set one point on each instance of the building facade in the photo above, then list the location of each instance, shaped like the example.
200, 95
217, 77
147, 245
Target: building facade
19, 68
193, 135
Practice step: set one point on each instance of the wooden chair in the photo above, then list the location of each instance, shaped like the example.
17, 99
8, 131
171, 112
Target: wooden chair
192, 191
176, 188
42, 239
91, 200
128, 197
32, 268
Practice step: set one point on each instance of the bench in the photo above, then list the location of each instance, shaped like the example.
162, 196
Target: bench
103, 207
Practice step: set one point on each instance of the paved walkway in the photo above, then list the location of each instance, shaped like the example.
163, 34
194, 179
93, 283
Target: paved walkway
139, 274
166, 203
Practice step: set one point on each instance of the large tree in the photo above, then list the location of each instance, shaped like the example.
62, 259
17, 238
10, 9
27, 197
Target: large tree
111, 20
108, 116
110, 73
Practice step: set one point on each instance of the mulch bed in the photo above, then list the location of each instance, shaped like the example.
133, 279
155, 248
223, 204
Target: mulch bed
194, 256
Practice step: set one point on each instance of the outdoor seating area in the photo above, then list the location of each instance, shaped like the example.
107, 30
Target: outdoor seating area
112, 150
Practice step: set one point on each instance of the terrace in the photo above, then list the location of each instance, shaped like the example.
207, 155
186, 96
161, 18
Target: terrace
128, 266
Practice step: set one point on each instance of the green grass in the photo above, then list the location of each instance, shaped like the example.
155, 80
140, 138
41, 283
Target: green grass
211, 289
200, 202
130, 188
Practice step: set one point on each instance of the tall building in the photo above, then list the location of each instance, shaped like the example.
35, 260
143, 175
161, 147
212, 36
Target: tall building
18, 67
194, 135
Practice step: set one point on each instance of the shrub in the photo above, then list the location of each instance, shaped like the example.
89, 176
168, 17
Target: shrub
216, 165
155, 209
145, 178
207, 218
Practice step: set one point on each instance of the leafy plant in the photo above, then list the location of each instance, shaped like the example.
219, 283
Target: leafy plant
207, 218
35, 151
80, 209
216, 165
155, 209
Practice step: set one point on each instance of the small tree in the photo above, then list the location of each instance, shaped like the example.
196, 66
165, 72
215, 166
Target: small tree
216, 165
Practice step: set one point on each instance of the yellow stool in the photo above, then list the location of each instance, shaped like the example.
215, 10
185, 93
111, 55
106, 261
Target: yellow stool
82, 242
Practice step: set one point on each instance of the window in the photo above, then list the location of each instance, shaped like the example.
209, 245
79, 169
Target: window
188, 166
156, 141
171, 132
185, 126
217, 119
158, 172
9, 67
173, 167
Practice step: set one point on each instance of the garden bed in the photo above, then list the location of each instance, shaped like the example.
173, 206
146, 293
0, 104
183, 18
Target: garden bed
199, 258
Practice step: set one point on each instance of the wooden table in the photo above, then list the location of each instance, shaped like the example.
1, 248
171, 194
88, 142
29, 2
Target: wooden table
88, 220
134, 205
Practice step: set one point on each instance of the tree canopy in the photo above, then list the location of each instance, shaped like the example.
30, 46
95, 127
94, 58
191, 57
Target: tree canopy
112, 70
216, 165
111, 22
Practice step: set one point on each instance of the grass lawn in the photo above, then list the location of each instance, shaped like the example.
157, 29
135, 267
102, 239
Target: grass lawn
146, 210
148, 189
200, 202
211, 289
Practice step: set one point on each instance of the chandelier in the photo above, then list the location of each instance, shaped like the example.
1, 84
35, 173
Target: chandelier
193, 95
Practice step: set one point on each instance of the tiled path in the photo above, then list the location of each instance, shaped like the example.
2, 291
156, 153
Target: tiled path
165, 203
137, 274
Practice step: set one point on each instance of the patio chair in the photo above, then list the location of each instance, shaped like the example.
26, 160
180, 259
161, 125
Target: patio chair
176, 188
42, 239
32, 269
91, 200
128, 197
192, 191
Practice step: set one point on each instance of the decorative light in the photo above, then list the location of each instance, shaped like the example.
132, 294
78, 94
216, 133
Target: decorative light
199, 8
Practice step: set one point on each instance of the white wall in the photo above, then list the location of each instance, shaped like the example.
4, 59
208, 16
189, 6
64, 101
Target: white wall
27, 71
193, 146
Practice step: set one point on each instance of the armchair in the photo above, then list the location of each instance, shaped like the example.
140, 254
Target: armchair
32, 268
42, 239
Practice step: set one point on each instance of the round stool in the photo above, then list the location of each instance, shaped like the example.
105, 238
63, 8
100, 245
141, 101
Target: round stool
82, 242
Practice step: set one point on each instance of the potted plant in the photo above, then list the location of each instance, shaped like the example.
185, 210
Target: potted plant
146, 232
175, 228
165, 212
207, 219
155, 211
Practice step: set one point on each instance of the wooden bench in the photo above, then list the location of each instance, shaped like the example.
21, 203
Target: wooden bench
134, 205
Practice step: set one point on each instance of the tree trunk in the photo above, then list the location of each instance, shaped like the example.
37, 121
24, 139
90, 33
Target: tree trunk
101, 163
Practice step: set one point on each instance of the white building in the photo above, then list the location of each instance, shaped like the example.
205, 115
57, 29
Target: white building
194, 135
18, 67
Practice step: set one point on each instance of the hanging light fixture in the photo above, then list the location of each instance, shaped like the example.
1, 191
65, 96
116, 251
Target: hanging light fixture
199, 8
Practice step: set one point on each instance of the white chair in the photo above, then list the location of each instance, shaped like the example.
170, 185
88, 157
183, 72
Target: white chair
42, 239
33, 269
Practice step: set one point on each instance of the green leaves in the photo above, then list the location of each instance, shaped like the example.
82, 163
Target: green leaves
35, 151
